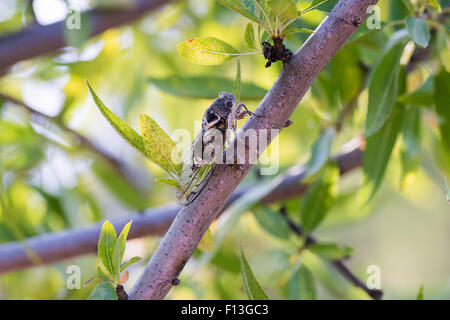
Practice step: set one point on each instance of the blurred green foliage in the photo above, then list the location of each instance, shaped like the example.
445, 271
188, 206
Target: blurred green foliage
50, 182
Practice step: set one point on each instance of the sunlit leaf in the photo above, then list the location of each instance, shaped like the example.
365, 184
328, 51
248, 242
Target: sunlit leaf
251, 285
290, 30
272, 221
322, 5
283, 8
378, 151
122, 128
383, 88
103, 291
119, 248
168, 182
106, 243
330, 251
320, 151
302, 285
434, 4
319, 198
158, 145
128, 263
207, 51
249, 36
241, 7
206, 87
418, 31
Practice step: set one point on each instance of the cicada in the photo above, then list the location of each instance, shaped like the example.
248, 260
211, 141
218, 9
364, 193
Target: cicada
198, 163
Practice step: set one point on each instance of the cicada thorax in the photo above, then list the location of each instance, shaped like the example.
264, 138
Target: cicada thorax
207, 147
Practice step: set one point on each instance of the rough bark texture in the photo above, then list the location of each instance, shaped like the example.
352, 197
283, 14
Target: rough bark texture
297, 76
37, 39
59, 246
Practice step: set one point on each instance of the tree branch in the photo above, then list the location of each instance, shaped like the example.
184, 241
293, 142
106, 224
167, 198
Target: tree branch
38, 39
296, 78
67, 244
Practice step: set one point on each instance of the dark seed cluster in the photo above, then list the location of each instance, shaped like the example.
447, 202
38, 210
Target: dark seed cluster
276, 52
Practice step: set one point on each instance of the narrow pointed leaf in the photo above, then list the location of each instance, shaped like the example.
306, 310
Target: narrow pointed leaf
320, 151
319, 199
330, 251
119, 248
249, 36
383, 88
207, 51
420, 293
122, 128
251, 285
106, 243
128, 263
206, 87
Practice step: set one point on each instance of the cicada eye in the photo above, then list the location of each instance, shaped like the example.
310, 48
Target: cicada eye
229, 104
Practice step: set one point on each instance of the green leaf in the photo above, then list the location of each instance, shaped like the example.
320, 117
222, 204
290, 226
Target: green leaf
206, 87
245, 8
103, 291
378, 151
158, 145
249, 36
238, 82
251, 285
418, 31
320, 151
423, 96
420, 293
128, 263
322, 5
434, 4
169, 182
207, 51
106, 243
122, 128
319, 199
273, 222
410, 153
119, 249
290, 30
283, 8
383, 88
302, 285
441, 101
330, 251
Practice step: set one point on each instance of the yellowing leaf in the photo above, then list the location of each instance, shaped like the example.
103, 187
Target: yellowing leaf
434, 4
158, 145
207, 51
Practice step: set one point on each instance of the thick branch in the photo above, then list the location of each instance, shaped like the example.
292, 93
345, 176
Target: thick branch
296, 78
38, 40
67, 244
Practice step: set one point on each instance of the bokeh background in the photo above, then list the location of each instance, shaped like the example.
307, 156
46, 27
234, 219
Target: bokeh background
50, 182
